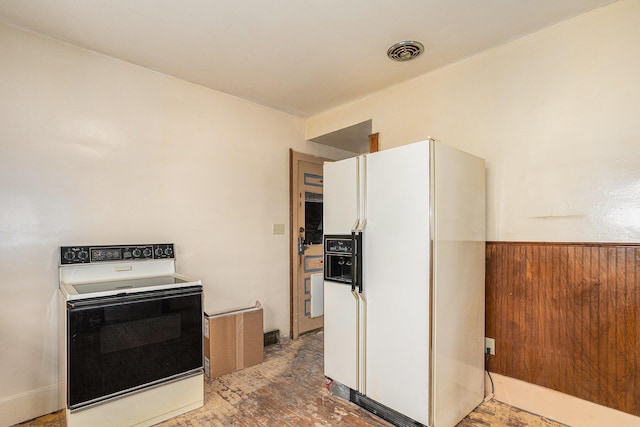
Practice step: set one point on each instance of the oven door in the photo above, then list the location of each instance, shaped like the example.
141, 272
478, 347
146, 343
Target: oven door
119, 345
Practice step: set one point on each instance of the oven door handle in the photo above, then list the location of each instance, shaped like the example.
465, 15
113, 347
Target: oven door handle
133, 298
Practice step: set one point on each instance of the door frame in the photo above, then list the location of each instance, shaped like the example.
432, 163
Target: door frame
294, 158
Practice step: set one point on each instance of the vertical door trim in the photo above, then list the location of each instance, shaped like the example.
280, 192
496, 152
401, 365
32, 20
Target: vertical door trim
373, 142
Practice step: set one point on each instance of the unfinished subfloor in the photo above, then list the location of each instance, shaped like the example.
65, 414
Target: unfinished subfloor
288, 389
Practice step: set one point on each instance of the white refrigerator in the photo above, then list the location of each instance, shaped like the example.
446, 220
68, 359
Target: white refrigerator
404, 282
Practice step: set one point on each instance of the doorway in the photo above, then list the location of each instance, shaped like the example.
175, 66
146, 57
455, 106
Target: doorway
306, 201
306, 239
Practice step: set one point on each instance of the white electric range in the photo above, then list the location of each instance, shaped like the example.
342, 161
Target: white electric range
131, 336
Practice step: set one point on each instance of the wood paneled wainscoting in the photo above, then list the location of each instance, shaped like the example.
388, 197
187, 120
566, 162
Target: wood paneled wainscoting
567, 316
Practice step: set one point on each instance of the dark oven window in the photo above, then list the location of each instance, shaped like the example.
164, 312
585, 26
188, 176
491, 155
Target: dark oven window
139, 333
115, 348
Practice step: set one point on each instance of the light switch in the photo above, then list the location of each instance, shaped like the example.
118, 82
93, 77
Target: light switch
278, 228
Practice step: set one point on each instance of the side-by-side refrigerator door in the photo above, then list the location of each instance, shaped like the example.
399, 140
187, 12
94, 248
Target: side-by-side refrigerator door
396, 279
341, 196
340, 304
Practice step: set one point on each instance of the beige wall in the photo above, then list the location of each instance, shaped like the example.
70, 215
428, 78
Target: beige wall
98, 151
555, 114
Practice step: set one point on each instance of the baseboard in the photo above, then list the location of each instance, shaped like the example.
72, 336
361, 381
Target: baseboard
26, 406
557, 406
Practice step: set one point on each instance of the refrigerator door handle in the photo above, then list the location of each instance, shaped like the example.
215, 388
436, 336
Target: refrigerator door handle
362, 208
357, 223
364, 343
357, 265
355, 295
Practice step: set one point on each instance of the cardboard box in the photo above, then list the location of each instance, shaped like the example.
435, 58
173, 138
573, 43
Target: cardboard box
233, 340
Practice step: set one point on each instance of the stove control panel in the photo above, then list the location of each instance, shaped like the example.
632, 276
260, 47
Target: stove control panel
93, 254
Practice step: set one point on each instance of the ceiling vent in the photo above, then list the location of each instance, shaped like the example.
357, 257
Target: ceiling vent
405, 51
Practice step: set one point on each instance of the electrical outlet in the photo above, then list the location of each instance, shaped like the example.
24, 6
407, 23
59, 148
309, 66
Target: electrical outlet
490, 343
278, 228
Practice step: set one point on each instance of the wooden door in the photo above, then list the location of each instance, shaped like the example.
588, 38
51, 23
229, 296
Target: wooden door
306, 238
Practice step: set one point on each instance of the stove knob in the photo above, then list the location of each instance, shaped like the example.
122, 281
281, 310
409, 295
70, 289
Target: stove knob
146, 252
136, 253
83, 255
168, 251
69, 255
158, 251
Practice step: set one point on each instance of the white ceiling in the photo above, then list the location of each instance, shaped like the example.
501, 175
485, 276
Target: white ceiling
299, 56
